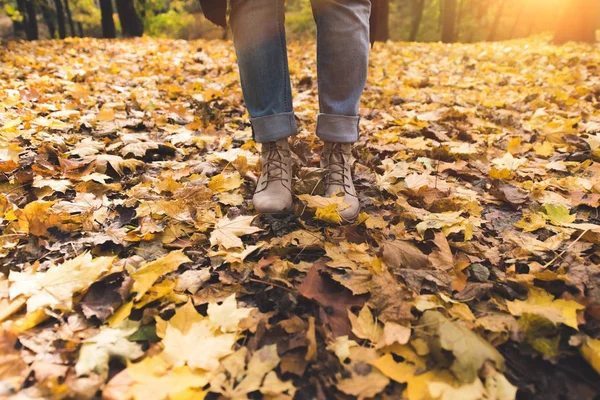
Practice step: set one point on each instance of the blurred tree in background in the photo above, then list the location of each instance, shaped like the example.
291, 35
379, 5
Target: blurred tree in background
408, 20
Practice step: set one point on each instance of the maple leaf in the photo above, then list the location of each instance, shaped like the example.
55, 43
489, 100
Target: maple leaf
148, 273
37, 217
365, 326
341, 347
55, 287
227, 231
394, 333
57, 185
97, 351
9, 157
449, 222
227, 315
152, 378
225, 182
257, 375
116, 162
399, 253
541, 303
190, 339
199, 347
392, 172
469, 350
331, 296
348, 255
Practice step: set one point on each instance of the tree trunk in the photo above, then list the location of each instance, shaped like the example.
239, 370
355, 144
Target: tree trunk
70, 18
31, 26
108, 24
381, 14
60, 18
79, 29
459, 15
448, 21
131, 24
19, 26
417, 15
578, 22
496, 23
49, 20
513, 31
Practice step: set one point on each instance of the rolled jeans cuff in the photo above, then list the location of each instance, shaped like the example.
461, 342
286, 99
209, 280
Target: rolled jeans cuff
337, 128
271, 128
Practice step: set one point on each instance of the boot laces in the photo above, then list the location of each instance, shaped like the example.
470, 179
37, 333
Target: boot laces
336, 159
275, 162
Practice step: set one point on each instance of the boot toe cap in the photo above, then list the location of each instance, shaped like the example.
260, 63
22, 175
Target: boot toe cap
350, 214
272, 204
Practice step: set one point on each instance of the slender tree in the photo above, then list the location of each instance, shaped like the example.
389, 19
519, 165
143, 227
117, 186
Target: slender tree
108, 24
49, 17
515, 27
497, 17
578, 22
417, 7
131, 23
60, 19
20, 26
70, 18
31, 26
448, 21
382, 15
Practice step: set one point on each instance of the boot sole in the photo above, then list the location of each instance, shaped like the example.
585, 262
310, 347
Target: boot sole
351, 220
279, 214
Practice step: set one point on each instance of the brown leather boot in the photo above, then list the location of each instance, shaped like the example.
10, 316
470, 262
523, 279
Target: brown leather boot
273, 194
337, 158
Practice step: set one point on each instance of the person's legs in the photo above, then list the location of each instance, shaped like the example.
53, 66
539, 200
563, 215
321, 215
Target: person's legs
259, 38
342, 63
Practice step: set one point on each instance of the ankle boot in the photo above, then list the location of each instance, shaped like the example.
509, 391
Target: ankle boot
337, 159
273, 194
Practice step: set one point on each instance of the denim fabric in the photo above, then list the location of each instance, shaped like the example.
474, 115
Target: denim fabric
342, 60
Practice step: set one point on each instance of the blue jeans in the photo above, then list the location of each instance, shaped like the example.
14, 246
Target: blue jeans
342, 61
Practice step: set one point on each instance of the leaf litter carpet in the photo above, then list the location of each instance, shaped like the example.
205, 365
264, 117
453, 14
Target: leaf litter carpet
132, 265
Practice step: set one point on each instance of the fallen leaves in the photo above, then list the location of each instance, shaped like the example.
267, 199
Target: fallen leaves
132, 265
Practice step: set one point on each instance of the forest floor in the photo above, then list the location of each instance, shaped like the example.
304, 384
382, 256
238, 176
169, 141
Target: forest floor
132, 264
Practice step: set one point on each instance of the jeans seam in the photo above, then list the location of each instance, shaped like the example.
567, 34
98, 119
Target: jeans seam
283, 45
316, 17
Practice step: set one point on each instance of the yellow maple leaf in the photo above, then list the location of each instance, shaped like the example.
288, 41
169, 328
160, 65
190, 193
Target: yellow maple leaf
542, 303
341, 347
109, 343
365, 326
152, 379
225, 182
55, 287
198, 347
227, 231
328, 214
227, 315
149, 273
